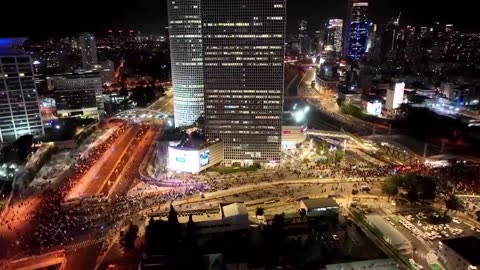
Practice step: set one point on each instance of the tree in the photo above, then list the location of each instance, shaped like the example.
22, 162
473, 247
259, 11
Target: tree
390, 188
127, 239
453, 203
259, 211
303, 213
338, 155
425, 187
412, 195
340, 102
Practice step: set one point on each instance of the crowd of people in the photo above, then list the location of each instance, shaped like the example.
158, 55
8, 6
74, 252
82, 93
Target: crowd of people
54, 223
50, 225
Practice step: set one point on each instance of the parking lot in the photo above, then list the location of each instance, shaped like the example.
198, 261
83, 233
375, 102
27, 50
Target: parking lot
433, 225
426, 228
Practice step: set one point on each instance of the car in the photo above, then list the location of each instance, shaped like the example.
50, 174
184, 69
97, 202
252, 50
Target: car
335, 237
387, 219
456, 220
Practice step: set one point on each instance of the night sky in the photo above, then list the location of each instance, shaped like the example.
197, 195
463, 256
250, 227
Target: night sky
40, 19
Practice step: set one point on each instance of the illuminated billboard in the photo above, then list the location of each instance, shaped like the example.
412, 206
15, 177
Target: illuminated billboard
183, 160
374, 108
204, 158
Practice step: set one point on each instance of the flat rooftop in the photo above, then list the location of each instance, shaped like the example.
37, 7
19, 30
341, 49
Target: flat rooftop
467, 247
320, 202
194, 141
380, 264
397, 238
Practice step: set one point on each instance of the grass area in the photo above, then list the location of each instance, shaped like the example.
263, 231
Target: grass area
229, 170
436, 267
396, 218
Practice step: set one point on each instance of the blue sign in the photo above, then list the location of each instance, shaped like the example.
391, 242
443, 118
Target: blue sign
180, 159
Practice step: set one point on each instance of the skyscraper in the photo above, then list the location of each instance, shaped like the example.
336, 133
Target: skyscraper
243, 48
88, 49
304, 38
186, 57
335, 34
356, 34
19, 108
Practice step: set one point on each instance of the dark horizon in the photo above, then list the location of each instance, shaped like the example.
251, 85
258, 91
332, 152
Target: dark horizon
151, 17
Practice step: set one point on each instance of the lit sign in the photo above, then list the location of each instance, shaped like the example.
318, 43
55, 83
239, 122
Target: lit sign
374, 108
183, 160
204, 158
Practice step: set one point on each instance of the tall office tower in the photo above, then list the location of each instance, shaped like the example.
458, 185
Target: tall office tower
335, 34
304, 38
356, 34
19, 108
186, 57
320, 40
88, 48
244, 46
78, 94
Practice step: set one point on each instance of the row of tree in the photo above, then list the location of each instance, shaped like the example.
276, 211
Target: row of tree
416, 186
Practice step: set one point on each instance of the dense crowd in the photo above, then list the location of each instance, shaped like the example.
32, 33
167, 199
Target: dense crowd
57, 224
50, 224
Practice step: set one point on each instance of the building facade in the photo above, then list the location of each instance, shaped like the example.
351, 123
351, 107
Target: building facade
356, 34
78, 94
88, 49
195, 159
19, 107
335, 35
460, 253
185, 27
243, 47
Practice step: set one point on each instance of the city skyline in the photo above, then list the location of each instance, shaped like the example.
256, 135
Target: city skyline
151, 17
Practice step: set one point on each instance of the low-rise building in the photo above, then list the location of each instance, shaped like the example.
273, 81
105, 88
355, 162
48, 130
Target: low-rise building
379, 264
78, 94
391, 234
460, 253
194, 153
320, 207
230, 217
294, 129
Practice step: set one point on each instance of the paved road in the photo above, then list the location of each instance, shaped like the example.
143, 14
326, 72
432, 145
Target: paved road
113, 158
129, 170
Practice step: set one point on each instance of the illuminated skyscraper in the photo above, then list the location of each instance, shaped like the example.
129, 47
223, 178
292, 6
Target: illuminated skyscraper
88, 48
19, 108
244, 46
356, 35
184, 18
335, 34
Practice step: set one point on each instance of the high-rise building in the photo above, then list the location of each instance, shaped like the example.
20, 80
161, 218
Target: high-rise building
243, 48
185, 28
88, 49
304, 38
78, 94
19, 108
335, 34
356, 34
320, 40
